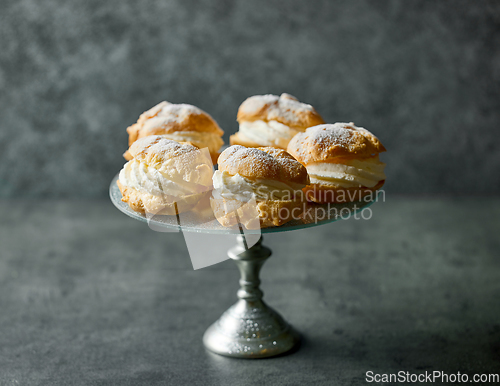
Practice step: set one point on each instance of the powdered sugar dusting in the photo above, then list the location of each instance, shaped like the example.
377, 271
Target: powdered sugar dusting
172, 113
152, 112
160, 146
172, 117
283, 108
288, 96
257, 102
181, 111
256, 158
291, 107
321, 141
266, 161
339, 134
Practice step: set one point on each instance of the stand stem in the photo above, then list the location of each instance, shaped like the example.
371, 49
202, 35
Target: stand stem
250, 329
249, 262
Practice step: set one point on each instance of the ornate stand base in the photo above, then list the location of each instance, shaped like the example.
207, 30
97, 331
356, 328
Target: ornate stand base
250, 329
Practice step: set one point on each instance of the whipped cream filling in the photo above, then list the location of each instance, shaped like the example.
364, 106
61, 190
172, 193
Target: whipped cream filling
147, 179
271, 133
350, 173
199, 139
241, 188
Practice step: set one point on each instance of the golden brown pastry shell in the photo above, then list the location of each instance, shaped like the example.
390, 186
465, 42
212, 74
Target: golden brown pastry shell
157, 205
285, 109
268, 213
323, 143
263, 163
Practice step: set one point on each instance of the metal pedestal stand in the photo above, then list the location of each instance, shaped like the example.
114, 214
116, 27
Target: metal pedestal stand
250, 329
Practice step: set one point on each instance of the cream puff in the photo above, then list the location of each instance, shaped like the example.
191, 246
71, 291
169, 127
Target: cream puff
181, 123
258, 187
342, 161
165, 177
269, 120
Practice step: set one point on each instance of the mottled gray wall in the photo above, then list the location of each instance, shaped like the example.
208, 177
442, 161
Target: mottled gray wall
423, 75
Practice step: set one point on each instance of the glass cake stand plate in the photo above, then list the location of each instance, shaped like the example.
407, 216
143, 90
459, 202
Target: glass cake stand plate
250, 328
203, 220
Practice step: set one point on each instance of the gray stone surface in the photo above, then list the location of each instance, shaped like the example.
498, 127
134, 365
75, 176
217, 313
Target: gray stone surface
89, 296
423, 75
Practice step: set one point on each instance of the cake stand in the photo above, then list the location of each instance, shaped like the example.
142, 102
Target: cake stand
250, 328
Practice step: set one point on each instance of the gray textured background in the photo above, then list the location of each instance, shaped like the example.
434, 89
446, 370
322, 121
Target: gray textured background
423, 75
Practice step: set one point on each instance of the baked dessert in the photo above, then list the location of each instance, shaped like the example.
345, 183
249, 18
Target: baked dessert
342, 161
257, 187
181, 123
269, 120
165, 177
